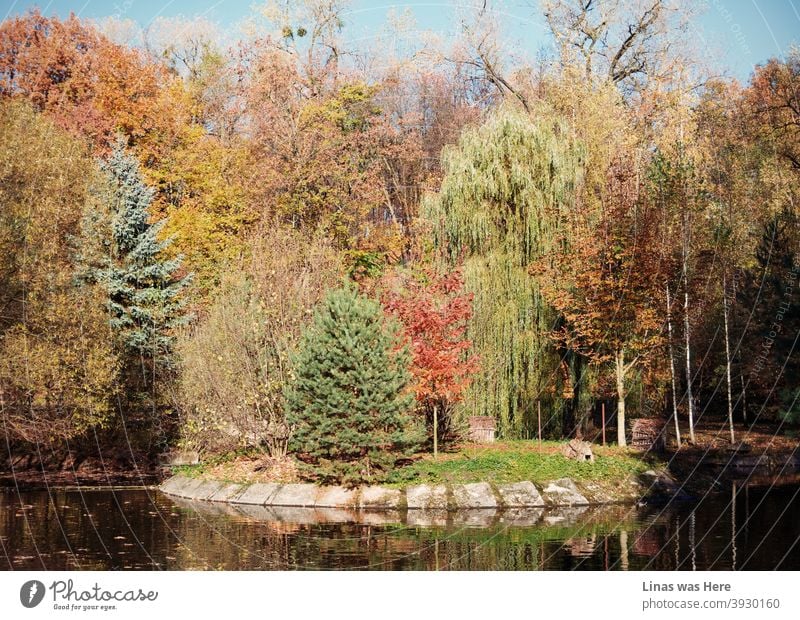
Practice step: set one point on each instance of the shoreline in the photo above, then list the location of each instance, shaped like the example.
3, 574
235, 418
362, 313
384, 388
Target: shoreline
561, 493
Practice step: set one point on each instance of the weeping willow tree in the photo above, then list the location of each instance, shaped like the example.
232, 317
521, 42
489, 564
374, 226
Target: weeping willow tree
507, 192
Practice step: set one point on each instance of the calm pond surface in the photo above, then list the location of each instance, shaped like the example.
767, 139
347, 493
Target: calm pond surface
144, 529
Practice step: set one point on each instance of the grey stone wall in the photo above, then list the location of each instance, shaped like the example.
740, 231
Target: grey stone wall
423, 497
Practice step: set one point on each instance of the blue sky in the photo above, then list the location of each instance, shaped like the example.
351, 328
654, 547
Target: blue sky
737, 33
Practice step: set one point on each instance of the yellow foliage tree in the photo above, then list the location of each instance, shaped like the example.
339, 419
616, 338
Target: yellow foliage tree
57, 365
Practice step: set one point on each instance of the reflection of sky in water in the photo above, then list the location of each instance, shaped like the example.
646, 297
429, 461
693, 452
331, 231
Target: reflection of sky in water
142, 529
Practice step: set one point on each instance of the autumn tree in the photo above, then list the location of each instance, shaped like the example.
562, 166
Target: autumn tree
183, 44
480, 55
426, 104
309, 34
606, 282
204, 206
321, 163
86, 83
632, 44
58, 366
769, 295
733, 215
677, 187
770, 109
773, 100
434, 312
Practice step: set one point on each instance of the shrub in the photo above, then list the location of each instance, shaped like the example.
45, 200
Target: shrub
58, 371
349, 401
235, 360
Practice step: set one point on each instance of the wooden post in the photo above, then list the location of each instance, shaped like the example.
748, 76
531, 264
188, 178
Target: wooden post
539, 417
603, 410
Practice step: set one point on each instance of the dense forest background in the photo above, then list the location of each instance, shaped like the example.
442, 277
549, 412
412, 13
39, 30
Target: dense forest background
614, 226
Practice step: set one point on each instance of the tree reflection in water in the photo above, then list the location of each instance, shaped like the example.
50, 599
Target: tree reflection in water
143, 529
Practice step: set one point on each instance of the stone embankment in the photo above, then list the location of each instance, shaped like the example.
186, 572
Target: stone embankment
424, 497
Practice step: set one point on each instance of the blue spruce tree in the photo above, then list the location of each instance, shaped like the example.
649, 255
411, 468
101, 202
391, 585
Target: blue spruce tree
144, 291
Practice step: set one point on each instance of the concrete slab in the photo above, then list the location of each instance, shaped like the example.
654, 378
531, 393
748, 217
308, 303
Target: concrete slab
474, 495
563, 492
336, 497
207, 489
226, 492
258, 494
427, 497
519, 495
302, 495
170, 484
187, 488
380, 498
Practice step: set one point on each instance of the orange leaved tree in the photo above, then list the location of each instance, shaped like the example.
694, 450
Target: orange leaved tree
605, 281
434, 312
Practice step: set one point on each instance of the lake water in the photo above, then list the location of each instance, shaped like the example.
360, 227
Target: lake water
756, 529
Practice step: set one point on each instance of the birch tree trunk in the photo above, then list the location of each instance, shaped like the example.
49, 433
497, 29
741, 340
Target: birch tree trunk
672, 371
686, 331
727, 353
741, 372
620, 372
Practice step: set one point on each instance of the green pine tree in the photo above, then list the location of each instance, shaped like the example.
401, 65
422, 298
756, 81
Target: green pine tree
348, 403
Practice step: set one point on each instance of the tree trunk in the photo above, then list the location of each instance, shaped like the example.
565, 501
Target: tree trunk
744, 391
689, 397
620, 372
727, 354
539, 420
568, 394
435, 431
672, 371
741, 369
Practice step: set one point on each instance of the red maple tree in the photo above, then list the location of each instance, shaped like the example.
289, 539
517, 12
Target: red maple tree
434, 312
